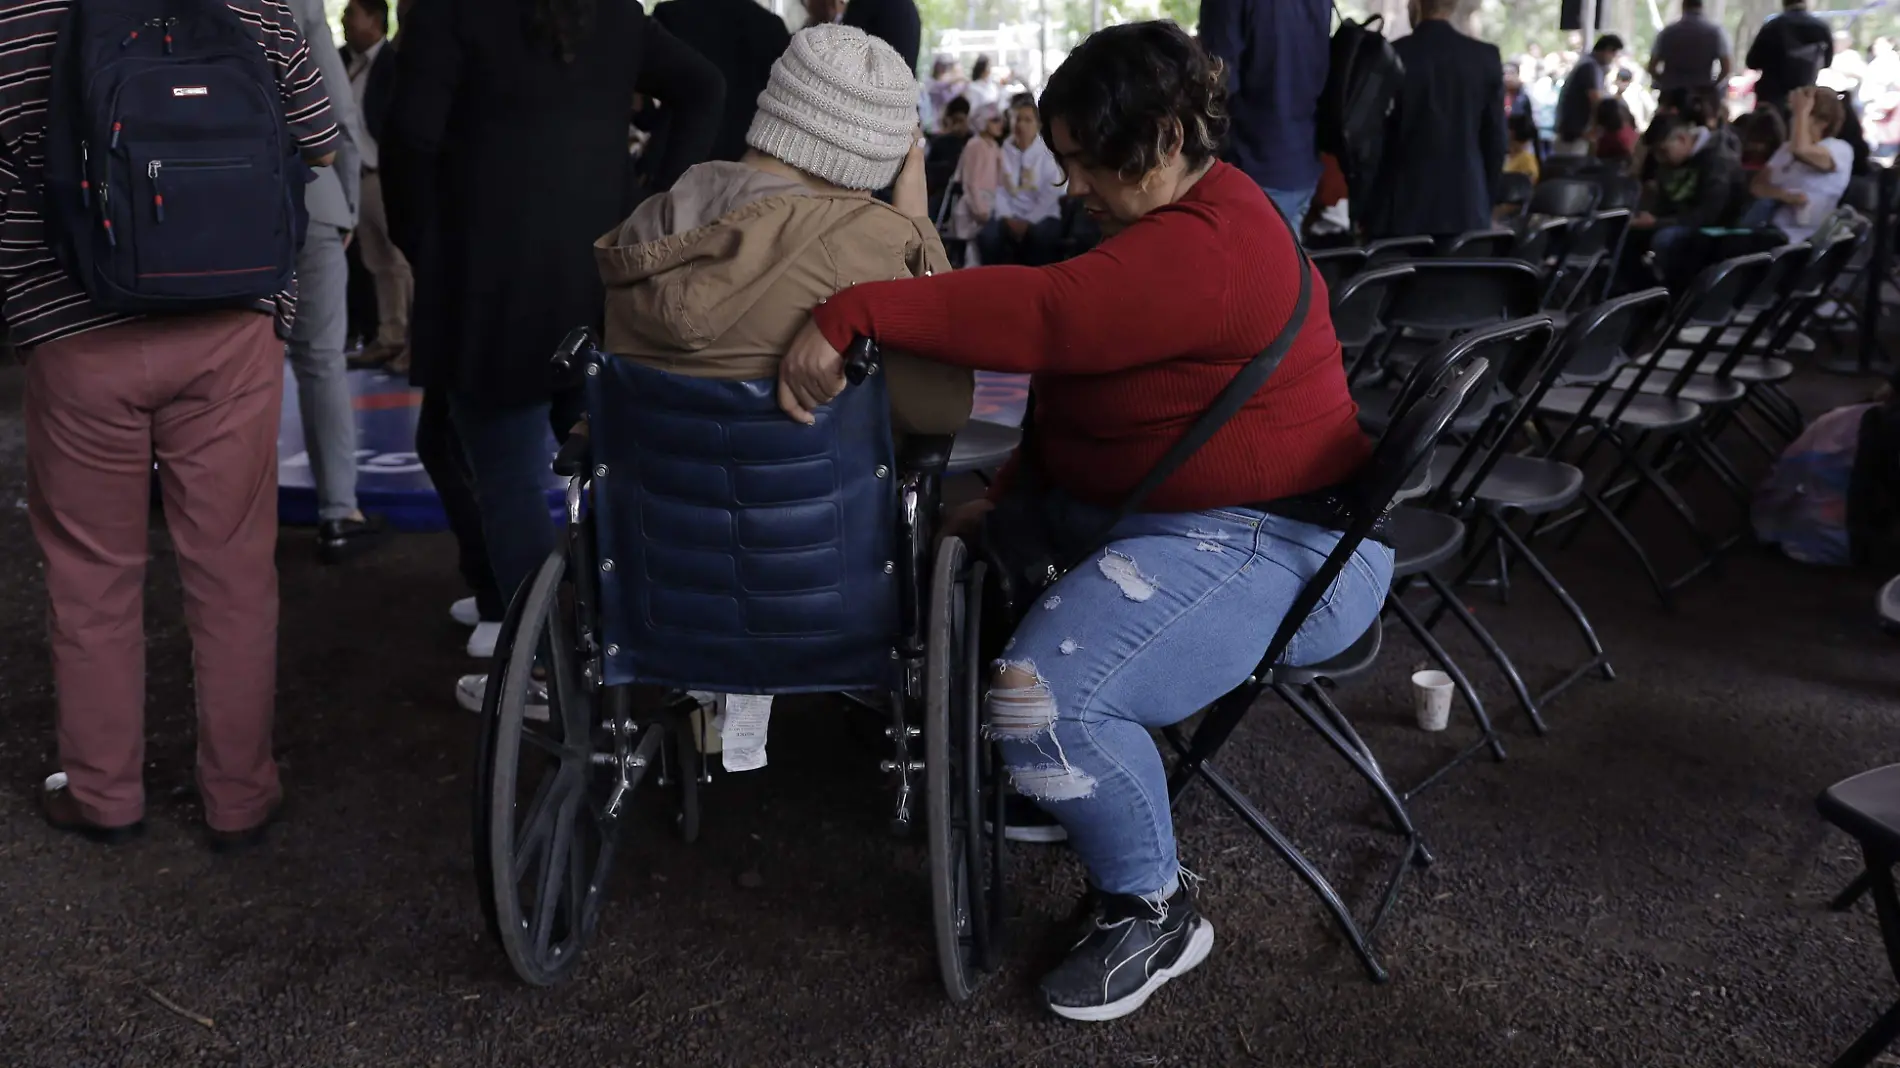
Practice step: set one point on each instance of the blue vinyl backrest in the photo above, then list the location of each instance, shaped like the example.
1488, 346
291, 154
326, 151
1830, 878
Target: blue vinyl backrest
749, 552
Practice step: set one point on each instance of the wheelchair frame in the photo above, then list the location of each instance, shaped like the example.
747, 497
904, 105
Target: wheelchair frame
541, 873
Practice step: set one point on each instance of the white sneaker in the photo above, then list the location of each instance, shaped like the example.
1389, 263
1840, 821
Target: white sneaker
481, 643
465, 612
471, 689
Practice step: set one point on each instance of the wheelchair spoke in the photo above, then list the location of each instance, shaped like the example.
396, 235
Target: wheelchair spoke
551, 746
538, 827
554, 866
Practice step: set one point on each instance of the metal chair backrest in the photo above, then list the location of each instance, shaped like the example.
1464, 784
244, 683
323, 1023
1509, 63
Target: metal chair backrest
1557, 167
1447, 295
1361, 305
1572, 198
1593, 344
1496, 242
1438, 388
1619, 191
1338, 264
1541, 239
1513, 189
1711, 302
1600, 233
1521, 357
1393, 249
1777, 293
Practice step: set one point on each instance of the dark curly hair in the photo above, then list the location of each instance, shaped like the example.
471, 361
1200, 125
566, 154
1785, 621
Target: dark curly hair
1131, 94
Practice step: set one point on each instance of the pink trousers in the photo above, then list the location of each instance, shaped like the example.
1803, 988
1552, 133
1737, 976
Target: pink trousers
202, 395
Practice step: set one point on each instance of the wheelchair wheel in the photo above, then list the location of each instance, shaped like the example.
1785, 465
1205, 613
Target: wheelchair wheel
961, 779
555, 787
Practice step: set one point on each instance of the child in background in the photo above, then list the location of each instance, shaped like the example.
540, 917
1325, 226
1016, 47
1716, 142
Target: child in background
1762, 132
1522, 157
1615, 132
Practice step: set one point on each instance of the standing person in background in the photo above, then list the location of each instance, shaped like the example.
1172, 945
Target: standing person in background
895, 22
1445, 147
510, 124
1276, 55
1690, 52
1586, 85
1790, 52
1026, 226
1517, 99
982, 89
743, 40
105, 395
946, 84
322, 324
372, 80
980, 171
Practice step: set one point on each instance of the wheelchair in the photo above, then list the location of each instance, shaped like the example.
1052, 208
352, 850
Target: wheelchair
712, 544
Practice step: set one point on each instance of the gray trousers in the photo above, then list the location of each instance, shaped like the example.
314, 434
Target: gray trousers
316, 358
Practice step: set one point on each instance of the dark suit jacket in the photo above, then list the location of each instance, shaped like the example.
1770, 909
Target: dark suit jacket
379, 90
895, 21
742, 39
1444, 148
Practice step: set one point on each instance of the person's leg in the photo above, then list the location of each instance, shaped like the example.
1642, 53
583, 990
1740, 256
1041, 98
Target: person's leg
395, 286
440, 450
1678, 251
995, 244
216, 439
323, 384
1175, 612
89, 479
1292, 204
508, 456
1759, 214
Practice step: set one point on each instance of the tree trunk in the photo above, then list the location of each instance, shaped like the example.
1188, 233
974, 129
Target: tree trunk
1465, 18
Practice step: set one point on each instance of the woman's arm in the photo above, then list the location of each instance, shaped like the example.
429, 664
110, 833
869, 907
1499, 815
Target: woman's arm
691, 89
1151, 293
1801, 140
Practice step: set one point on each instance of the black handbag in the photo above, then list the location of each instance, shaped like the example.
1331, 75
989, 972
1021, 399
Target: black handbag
1016, 541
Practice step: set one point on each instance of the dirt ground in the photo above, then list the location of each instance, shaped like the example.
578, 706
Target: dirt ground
1643, 887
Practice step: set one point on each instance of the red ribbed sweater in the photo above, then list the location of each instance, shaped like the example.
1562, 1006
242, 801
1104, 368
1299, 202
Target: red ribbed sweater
1129, 343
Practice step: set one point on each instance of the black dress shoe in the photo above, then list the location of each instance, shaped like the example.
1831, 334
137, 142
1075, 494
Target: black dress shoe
250, 837
340, 539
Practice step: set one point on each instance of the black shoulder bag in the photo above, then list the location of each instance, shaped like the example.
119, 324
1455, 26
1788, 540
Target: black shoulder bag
1016, 541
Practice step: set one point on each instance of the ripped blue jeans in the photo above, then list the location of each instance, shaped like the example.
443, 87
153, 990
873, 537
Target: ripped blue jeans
1174, 612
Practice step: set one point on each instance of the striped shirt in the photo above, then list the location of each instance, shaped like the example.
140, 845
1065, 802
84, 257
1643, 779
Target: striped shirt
43, 303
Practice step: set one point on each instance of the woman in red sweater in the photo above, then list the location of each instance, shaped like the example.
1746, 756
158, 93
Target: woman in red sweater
1128, 344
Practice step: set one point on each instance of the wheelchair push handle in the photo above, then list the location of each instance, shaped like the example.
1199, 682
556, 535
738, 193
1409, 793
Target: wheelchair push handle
578, 345
861, 360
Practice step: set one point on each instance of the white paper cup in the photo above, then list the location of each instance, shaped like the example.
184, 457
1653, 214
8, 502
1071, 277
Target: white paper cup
1431, 698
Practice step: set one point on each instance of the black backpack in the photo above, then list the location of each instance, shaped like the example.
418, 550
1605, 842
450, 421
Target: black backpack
172, 181
1361, 85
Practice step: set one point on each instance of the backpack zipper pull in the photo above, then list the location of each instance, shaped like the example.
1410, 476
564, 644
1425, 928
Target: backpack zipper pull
158, 195
129, 38
85, 176
166, 25
112, 239
115, 134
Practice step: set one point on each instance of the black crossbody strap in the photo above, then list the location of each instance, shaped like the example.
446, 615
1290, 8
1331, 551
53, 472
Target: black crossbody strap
1232, 398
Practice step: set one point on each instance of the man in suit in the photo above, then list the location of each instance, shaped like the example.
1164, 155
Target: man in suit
372, 73
743, 40
1276, 55
1445, 146
894, 21
317, 335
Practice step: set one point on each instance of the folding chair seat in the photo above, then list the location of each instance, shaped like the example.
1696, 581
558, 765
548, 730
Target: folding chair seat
1707, 391
1422, 540
1530, 484
1336, 265
1769, 369
1377, 403
1571, 198
1867, 806
1643, 413
1797, 342
1447, 296
1440, 390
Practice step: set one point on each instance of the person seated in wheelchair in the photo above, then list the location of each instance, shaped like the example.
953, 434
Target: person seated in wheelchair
715, 277
1128, 344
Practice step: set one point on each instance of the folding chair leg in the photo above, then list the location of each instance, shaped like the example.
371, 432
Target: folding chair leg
1498, 655
1437, 652
1873, 1042
1342, 916
1598, 658
1852, 892
1339, 733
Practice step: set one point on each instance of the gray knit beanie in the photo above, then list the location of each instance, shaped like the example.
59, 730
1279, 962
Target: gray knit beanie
840, 105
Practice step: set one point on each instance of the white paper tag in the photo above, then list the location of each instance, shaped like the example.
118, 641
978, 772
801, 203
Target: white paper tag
742, 730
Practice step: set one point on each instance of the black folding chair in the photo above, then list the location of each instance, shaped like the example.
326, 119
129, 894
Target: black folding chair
1448, 296
1540, 240
1495, 243
1593, 248
1619, 191
1636, 423
1362, 306
1867, 806
1569, 198
1425, 538
1436, 393
1490, 484
1513, 190
1395, 249
1338, 264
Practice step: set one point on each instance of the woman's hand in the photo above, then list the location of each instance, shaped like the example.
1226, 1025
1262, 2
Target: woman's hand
1801, 103
1793, 198
811, 373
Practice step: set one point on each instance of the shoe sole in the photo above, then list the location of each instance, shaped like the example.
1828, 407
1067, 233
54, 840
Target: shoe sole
470, 703
1200, 944
1031, 834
